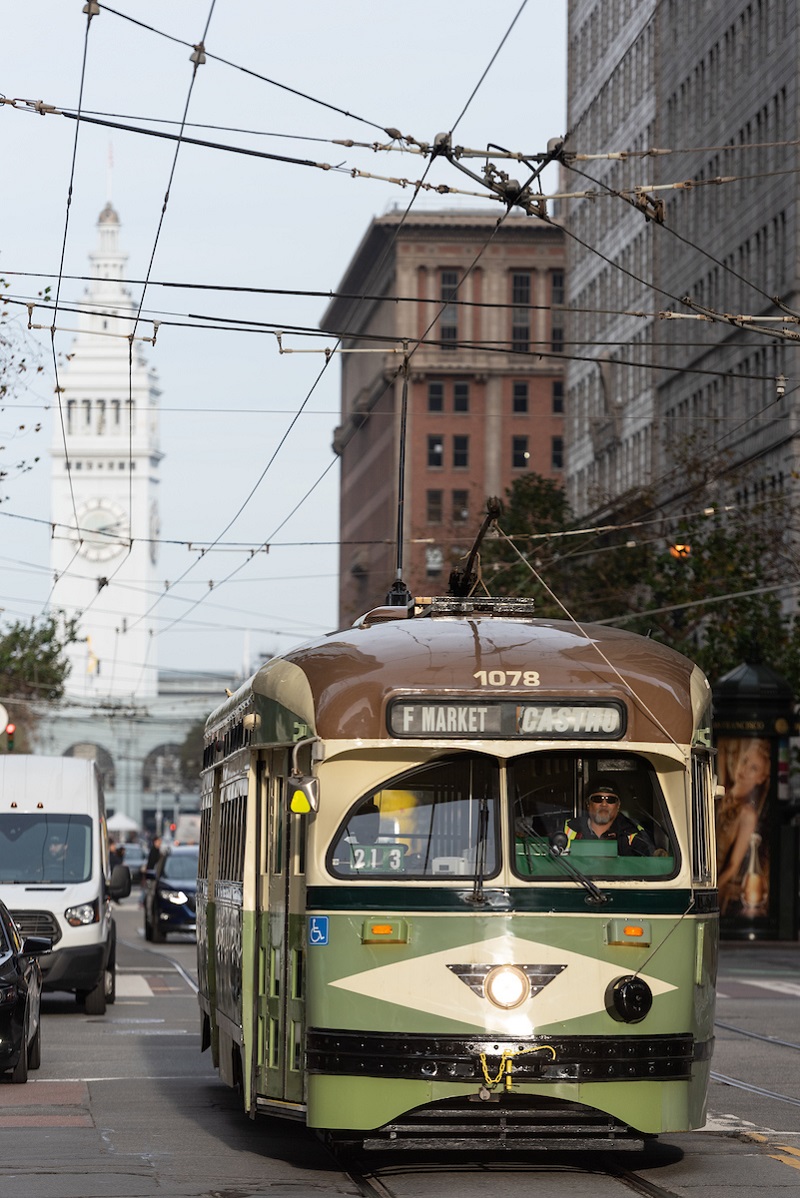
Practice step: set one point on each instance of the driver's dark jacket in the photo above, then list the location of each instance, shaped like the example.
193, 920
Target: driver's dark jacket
631, 838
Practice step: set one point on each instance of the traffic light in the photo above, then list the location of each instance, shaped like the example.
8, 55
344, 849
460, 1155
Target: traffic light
10, 730
680, 551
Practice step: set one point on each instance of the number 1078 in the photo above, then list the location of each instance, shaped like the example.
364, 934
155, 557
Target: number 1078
507, 677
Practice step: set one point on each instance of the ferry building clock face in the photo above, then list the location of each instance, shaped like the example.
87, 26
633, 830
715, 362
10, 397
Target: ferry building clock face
102, 531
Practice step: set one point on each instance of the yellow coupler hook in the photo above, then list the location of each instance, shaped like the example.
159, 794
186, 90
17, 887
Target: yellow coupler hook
507, 1063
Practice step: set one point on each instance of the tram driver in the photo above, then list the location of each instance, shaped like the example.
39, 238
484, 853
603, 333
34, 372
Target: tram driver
603, 820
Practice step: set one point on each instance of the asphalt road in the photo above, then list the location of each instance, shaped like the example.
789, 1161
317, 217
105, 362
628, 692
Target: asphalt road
125, 1104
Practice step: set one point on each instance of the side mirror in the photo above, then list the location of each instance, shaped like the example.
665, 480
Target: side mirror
303, 794
36, 946
119, 887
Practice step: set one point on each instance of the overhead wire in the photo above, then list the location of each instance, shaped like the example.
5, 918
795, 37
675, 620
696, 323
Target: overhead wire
300, 293
245, 70
383, 256
198, 50
416, 193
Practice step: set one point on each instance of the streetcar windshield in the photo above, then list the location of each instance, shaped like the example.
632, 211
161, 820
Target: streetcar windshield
605, 812
45, 848
436, 821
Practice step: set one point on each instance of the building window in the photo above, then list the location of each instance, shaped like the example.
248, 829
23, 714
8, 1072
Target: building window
435, 451
460, 452
557, 453
558, 397
448, 317
520, 457
520, 316
557, 287
435, 397
461, 397
434, 561
520, 398
557, 340
434, 507
460, 506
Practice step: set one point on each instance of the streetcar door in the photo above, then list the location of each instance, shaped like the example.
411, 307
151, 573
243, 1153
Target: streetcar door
281, 927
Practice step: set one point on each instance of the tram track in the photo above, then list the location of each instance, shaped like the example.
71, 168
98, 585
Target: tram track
373, 1183
737, 1083
740, 1031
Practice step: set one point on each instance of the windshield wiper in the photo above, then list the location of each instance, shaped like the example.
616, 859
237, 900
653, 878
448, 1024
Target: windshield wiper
478, 895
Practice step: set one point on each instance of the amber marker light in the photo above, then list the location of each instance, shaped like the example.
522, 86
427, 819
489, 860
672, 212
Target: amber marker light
633, 930
381, 929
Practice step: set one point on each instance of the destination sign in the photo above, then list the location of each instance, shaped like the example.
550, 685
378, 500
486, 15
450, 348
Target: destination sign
501, 718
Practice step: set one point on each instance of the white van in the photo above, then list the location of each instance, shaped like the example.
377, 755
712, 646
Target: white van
54, 871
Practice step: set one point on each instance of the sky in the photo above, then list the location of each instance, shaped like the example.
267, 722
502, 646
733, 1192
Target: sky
230, 400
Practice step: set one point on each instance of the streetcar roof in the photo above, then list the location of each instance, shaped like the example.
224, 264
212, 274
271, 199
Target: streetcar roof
338, 687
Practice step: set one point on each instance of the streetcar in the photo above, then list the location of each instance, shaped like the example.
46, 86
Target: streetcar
404, 939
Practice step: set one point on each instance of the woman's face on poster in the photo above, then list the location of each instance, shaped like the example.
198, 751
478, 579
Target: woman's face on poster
752, 768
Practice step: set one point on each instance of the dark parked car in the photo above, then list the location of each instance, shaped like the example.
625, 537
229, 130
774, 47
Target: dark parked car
169, 899
20, 995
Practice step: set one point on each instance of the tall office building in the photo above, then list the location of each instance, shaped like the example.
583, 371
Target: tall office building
471, 304
716, 86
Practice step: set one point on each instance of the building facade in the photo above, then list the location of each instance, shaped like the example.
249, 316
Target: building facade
716, 87
105, 475
119, 709
470, 307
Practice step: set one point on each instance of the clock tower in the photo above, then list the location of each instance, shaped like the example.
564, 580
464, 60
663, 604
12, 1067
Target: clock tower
105, 466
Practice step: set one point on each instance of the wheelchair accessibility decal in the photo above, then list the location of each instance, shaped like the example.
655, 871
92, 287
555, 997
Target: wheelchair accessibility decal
318, 929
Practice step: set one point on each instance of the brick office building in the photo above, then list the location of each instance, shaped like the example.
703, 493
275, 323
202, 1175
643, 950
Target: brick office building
485, 396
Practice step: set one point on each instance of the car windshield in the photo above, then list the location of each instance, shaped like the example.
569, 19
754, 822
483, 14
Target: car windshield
433, 821
180, 867
605, 813
45, 848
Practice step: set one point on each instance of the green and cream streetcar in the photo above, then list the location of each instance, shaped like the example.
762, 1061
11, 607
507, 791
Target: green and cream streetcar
457, 882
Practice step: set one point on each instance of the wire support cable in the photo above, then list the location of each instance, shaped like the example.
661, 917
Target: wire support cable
245, 70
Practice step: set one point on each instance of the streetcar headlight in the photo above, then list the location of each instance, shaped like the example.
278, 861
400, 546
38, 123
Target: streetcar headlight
629, 999
176, 896
83, 914
506, 986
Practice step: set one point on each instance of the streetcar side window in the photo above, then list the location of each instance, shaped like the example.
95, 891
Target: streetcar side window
702, 790
606, 813
431, 822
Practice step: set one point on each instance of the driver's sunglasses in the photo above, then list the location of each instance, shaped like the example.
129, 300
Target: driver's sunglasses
603, 798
